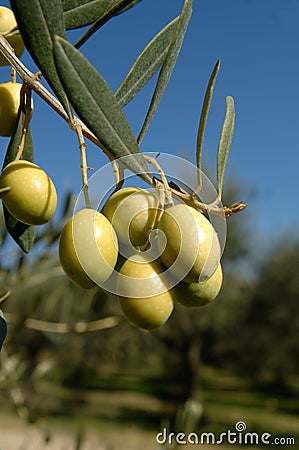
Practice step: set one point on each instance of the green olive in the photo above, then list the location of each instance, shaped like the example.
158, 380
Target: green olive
9, 106
199, 294
143, 295
32, 196
191, 249
7, 24
132, 212
88, 248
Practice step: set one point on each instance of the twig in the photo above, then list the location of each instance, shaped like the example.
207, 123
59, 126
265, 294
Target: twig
83, 166
64, 328
5, 296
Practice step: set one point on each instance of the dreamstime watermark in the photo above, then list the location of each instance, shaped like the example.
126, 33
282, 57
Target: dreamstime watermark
180, 172
232, 437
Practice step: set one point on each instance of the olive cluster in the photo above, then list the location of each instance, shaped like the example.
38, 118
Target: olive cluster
151, 258
147, 257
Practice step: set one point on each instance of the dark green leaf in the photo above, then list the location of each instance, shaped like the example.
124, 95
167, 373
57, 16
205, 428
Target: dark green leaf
14, 142
168, 65
146, 64
120, 6
115, 8
39, 21
78, 13
21, 233
203, 118
225, 141
96, 105
3, 329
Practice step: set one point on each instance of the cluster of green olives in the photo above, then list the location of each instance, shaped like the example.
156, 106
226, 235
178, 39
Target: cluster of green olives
186, 267
174, 254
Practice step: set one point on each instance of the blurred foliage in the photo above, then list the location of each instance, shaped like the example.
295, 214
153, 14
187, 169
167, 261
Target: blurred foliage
68, 337
269, 328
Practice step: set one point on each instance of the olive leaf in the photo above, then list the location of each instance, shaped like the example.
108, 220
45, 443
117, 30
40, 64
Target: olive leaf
78, 13
22, 234
203, 118
39, 21
15, 140
96, 105
146, 64
225, 141
115, 8
168, 64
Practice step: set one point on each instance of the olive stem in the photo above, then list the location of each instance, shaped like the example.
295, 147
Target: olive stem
167, 188
13, 75
26, 102
83, 165
119, 174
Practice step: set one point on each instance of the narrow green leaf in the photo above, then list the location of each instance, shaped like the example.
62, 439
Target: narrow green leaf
96, 105
14, 142
168, 65
39, 21
203, 119
22, 234
120, 6
225, 141
115, 8
146, 64
78, 13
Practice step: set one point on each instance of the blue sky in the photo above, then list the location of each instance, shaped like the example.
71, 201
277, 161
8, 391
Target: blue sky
258, 44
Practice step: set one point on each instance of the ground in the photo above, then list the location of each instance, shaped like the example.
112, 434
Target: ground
123, 419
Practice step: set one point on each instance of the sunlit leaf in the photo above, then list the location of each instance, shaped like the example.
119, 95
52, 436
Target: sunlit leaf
39, 21
22, 234
78, 13
225, 141
115, 8
168, 65
146, 64
203, 118
96, 105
